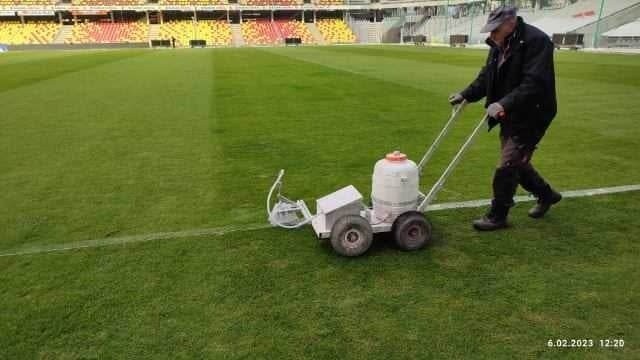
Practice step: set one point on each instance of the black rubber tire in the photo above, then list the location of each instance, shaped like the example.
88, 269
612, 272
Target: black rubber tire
351, 235
411, 231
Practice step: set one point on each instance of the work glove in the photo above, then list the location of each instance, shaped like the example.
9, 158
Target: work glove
495, 111
455, 99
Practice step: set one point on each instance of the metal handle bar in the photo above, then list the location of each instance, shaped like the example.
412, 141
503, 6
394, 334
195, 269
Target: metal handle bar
438, 185
276, 184
455, 113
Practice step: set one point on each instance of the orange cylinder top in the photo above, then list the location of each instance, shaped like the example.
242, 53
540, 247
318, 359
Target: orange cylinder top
396, 156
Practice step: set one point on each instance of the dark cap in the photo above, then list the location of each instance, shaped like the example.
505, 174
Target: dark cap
497, 17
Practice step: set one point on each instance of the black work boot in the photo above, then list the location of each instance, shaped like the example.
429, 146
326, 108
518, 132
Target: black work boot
535, 184
544, 203
495, 219
505, 181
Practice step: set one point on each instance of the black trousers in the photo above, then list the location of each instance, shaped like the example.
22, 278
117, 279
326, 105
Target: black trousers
514, 168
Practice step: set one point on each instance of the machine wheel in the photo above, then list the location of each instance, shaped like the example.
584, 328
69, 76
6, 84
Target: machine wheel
351, 235
411, 231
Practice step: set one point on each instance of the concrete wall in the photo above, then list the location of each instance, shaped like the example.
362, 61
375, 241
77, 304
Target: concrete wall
79, 46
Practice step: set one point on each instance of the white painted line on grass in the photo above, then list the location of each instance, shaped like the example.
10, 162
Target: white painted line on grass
565, 194
122, 240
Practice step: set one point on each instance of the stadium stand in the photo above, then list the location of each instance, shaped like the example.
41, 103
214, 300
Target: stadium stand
329, 2
260, 32
335, 31
360, 28
435, 24
107, 32
192, 2
578, 15
26, 2
214, 32
563, 17
294, 29
220, 32
107, 2
271, 2
15, 33
627, 35
181, 30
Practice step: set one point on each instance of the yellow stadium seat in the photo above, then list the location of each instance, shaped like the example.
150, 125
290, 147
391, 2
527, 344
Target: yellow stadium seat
15, 33
26, 2
108, 2
295, 29
271, 2
259, 32
335, 31
214, 32
329, 2
193, 2
106, 32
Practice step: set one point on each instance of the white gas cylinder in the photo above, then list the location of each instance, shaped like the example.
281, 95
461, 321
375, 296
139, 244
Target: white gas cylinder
395, 186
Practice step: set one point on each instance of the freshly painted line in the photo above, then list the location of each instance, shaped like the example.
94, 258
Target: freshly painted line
248, 227
565, 194
123, 240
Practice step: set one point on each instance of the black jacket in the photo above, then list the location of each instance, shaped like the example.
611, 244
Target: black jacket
524, 85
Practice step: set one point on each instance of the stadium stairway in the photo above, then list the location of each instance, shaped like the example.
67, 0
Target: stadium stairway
317, 36
360, 28
236, 35
373, 33
63, 34
154, 32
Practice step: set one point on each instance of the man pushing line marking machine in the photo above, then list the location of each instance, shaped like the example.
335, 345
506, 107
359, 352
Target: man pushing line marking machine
398, 205
518, 78
518, 82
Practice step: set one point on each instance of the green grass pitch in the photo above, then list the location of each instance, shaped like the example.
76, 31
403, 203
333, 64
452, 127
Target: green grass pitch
102, 144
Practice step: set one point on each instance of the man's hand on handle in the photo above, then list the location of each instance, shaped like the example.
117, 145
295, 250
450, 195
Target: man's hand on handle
495, 111
455, 99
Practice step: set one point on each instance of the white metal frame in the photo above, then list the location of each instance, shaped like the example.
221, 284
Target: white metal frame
291, 214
